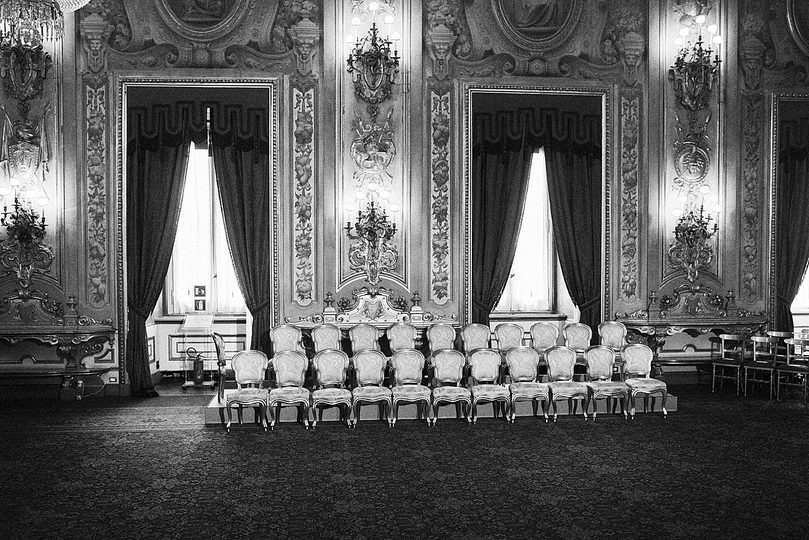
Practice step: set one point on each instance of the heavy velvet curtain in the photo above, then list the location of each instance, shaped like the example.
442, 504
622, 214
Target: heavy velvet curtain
242, 174
504, 145
792, 219
157, 161
500, 182
574, 188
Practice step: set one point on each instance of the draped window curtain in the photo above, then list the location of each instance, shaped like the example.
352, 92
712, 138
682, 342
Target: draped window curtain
792, 220
158, 146
157, 161
242, 168
504, 144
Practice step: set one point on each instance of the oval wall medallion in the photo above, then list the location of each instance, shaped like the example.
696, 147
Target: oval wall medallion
202, 20
537, 25
691, 163
798, 18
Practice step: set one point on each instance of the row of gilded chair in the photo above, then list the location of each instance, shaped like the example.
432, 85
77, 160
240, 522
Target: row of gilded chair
777, 358
473, 336
330, 368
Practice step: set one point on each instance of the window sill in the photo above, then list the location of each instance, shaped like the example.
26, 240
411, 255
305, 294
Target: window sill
223, 318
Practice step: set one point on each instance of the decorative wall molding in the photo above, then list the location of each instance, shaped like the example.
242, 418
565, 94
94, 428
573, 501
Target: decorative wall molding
440, 233
303, 128
630, 150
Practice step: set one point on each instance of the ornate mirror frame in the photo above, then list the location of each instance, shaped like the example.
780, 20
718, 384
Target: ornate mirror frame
776, 99
122, 82
466, 89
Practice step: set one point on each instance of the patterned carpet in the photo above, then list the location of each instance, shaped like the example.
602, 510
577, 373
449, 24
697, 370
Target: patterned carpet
722, 466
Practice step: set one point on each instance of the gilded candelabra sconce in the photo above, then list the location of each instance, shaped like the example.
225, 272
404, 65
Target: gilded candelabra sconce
371, 62
373, 252
691, 250
23, 166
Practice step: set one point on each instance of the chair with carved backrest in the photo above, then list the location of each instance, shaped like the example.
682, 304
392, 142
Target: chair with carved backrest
508, 336
600, 360
363, 336
484, 382
577, 336
286, 337
327, 336
440, 336
249, 368
448, 369
544, 335
369, 367
330, 370
729, 363
290, 375
638, 365
221, 364
523, 367
561, 363
475, 336
401, 335
408, 368
612, 334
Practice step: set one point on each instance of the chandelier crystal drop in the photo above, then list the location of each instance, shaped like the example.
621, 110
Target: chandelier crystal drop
30, 23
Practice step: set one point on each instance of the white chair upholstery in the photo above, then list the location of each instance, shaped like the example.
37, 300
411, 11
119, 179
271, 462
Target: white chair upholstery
286, 337
448, 368
638, 366
475, 336
363, 336
544, 335
369, 367
326, 336
290, 374
509, 335
401, 335
612, 334
577, 336
440, 336
484, 382
561, 363
600, 360
408, 366
249, 368
523, 364
330, 368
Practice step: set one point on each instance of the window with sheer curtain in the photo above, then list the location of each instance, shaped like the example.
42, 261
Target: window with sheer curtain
531, 283
801, 302
201, 256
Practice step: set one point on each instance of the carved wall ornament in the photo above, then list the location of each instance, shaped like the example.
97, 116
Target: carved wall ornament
23, 70
440, 40
630, 142
305, 35
691, 162
631, 47
373, 150
95, 111
95, 30
752, 52
537, 26
24, 252
440, 237
304, 158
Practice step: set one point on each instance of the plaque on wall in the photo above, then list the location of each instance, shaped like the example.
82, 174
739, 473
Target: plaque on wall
537, 25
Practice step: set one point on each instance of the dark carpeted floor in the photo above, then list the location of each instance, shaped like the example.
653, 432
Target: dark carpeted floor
722, 466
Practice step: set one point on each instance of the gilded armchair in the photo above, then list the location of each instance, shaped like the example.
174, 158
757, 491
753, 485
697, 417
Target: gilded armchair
249, 368
561, 363
523, 367
448, 370
290, 375
329, 369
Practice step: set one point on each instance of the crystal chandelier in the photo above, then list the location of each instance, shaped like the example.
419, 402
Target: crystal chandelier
372, 64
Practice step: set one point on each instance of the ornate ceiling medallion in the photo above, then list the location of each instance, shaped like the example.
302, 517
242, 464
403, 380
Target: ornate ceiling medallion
537, 25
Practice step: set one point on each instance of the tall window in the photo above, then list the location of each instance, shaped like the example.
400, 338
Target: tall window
201, 257
531, 283
801, 302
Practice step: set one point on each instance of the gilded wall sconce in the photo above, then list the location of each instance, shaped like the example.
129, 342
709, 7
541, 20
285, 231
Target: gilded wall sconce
691, 250
374, 252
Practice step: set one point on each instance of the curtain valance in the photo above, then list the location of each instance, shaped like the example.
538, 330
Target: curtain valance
172, 124
495, 132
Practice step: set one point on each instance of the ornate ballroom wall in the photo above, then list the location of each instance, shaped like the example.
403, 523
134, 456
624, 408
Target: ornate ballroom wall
324, 133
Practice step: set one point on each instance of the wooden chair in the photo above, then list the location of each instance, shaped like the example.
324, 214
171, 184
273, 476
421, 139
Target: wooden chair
369, 368
523, 367
249, 368
561, 363
600, 361
761, 368
795, 372
731, 357
330, 370
484, 382
448, 370
638, 367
